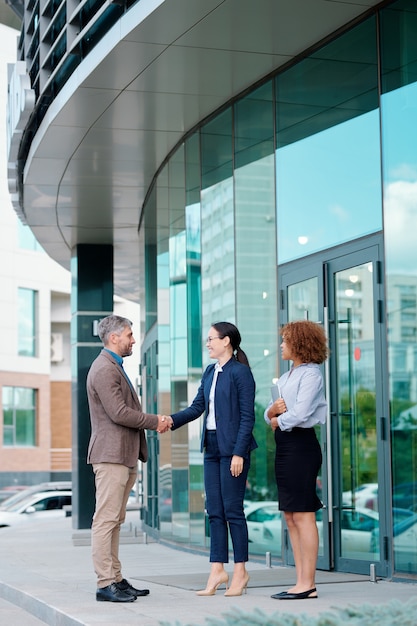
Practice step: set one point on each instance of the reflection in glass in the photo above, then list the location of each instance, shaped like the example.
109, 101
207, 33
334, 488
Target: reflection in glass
195, 333
399, 140
303, 301
355, 356
210, 252
256, 291
217, 223
328, 137
19, 416
27, 344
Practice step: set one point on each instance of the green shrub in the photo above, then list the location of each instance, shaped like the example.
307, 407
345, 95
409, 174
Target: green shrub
395, 613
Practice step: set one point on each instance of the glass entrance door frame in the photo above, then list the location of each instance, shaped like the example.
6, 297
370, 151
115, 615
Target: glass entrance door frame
318, 277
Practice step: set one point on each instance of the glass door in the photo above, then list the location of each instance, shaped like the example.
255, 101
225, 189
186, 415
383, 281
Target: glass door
344, 293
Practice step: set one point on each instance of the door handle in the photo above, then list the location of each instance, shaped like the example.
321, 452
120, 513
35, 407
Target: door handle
328, 424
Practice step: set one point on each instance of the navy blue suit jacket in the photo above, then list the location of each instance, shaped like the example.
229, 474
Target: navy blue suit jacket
234, 408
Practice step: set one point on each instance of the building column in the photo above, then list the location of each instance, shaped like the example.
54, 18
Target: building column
91, 300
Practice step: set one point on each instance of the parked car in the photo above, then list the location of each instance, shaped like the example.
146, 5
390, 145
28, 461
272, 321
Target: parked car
405, 496
257, 514
365, 496
405, 544
356, 529
7, 492
399, 516
21, 494
34, 506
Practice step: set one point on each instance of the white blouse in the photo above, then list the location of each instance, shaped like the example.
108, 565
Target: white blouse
211, 416
302, 389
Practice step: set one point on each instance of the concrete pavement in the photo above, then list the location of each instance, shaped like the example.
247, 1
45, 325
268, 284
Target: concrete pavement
46, 579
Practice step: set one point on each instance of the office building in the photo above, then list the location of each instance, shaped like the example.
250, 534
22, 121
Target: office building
221, 159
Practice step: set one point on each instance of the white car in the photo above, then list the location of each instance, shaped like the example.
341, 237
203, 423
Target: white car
405, 544
365, 496
258, 514
356, 530
35, 506
405, 539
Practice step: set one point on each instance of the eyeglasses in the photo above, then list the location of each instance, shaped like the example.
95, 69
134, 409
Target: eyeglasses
210, 339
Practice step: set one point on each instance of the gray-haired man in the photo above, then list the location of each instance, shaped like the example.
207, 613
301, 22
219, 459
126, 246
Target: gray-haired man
117, 442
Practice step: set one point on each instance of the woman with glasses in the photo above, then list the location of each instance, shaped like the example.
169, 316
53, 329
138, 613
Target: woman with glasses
226, 396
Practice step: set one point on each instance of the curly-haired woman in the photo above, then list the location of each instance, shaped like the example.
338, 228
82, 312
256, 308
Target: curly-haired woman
299, 406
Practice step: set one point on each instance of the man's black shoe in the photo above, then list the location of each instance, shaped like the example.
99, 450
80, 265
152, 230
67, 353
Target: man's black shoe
125, 586
112, 593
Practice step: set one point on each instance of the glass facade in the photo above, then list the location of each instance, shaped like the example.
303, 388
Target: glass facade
328, 152
399, 137
319, 156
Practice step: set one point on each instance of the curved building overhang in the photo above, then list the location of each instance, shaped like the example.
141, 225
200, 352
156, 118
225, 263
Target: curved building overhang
165, 66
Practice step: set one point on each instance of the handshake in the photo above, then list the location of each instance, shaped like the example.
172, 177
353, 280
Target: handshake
165, 423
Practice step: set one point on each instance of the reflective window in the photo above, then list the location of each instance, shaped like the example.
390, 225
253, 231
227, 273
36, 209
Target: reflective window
256, 287
292, 168
328, 150
27, 344
148, 265
399, 140
193, 233
197, 529
217, 223
19, 416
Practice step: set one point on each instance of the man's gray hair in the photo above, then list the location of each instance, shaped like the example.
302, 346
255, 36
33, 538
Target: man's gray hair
112, 324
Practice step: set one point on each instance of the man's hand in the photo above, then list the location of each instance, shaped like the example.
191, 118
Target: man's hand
164, 423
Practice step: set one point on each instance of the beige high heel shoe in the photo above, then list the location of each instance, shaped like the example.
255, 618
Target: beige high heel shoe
210, 591
237, 591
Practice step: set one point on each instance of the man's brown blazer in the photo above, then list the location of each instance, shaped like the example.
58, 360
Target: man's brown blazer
117, 419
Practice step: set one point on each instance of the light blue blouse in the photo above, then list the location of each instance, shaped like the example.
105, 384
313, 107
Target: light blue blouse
303, 391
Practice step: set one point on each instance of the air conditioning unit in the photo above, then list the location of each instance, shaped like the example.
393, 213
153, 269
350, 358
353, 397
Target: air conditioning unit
57, 347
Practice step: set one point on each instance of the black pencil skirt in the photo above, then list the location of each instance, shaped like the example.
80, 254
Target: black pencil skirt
298, 460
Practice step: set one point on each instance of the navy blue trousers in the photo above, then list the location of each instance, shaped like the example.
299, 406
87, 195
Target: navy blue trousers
224, 502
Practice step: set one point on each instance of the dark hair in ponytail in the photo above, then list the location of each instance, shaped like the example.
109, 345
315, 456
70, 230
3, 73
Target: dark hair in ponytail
226, 329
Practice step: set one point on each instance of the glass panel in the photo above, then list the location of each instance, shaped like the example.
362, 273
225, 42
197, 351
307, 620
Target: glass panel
178, 342
19, 416
355, 355
302, 301
193, 230
148, 266
217, 223
399, 140
256, 294
160, 366
154, 505
25, 427
327, 137
26, 322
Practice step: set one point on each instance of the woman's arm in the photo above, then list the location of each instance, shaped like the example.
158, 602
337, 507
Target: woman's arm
305, 401
195, 410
